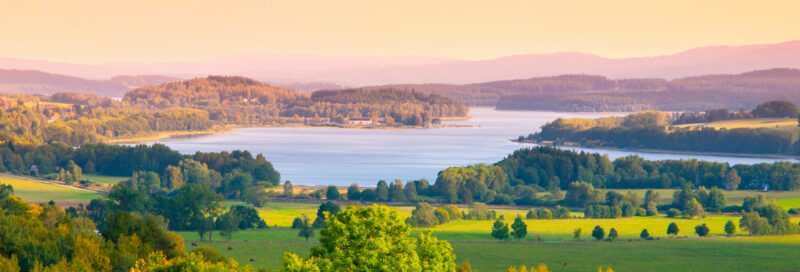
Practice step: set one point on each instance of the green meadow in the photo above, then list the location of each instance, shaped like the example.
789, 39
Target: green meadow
104, 180
785, 199
39, 192
548, 241
266, 248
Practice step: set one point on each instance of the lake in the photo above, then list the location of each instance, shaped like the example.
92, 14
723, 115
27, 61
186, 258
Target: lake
334, 156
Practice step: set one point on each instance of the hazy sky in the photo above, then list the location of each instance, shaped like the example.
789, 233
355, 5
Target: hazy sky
171, 30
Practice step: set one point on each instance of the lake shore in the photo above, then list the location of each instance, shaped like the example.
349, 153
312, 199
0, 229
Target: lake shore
167, 134
660, 151
228, 128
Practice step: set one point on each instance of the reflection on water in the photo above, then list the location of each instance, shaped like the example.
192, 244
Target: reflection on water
323, 156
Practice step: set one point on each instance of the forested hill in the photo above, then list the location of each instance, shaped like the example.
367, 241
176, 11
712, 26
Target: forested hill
239, 100
598, 93
36, 82
771, 128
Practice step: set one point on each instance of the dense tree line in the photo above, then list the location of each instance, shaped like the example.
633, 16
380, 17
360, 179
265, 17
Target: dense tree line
45, 123
153, 168
706, 139
720, 91
238, 100
541, 165
588, 93
653, 130
48, 238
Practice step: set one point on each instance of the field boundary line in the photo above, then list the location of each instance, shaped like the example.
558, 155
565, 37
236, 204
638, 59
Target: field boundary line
51, 183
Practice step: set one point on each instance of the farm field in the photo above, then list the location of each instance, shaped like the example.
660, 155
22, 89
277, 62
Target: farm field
785, 199
746, 123
706, 254
37, 192
471, 241
104, 180
282, 214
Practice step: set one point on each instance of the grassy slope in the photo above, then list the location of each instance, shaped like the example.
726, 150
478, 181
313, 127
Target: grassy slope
747, 123
37, 192
104, 180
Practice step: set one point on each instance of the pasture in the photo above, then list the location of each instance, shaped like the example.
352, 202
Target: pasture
785, 199
548, 241
40, 192
782, 123
104, 180
266, 249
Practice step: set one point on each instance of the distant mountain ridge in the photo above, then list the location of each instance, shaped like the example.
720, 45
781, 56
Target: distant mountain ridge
361, 71
37, 82
599, 93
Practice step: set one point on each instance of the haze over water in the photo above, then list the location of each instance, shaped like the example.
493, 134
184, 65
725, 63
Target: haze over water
332, 156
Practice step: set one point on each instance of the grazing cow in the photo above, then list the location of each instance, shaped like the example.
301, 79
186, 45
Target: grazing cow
230, 249
252, 260
194, 244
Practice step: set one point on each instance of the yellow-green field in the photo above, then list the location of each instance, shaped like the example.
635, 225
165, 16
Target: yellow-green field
38, 192
785, 199
471, 241
746, 123
105, 180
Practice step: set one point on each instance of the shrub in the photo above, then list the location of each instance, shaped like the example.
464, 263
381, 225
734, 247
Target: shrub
730, 228
612, 234
500, 230
332, 193
520, 229
297, 223
531, 214
598, 233
644, 234
674, 213
672, 229
701, 230
576, 234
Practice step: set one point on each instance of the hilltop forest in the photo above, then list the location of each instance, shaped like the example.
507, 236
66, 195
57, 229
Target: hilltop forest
206, 103
239, 100
589, 93
662, 131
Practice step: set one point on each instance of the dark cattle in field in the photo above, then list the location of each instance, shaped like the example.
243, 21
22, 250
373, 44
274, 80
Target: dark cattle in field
194, 244
230, 249
251, 260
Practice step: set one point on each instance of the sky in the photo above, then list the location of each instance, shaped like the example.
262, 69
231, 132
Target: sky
98, 31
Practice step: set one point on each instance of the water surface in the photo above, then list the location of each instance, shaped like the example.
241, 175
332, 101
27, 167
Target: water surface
325, 156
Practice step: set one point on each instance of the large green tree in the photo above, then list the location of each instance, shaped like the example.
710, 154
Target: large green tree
372, 238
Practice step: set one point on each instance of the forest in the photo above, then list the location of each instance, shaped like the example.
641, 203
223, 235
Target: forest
517, 179
153, 169
659, 130
589, 93
204, 104
242, 101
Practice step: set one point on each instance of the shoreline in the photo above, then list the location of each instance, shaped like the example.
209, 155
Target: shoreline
661, 151
167, 134
228, 128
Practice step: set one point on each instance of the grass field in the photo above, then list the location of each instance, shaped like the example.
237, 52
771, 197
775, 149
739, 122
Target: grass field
266, 247
282, 214
37, 192
747, 123
104, 180
711, 254
785, 199
471, 241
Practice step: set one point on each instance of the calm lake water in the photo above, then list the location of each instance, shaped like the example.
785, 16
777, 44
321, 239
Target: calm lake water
330, 156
